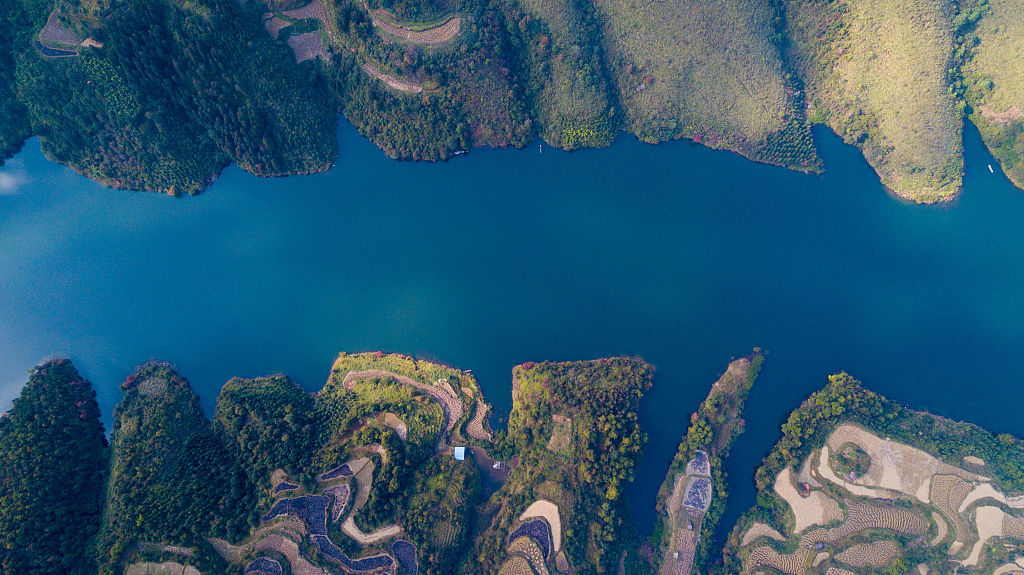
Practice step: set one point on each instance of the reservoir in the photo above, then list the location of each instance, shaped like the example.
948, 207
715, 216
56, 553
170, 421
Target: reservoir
682, 255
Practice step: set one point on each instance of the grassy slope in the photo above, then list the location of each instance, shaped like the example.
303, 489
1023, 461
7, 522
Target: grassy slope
568, 84
995, 84
699, 69
877, 71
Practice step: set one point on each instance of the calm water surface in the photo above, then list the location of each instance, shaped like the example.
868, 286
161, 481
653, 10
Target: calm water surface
685, 256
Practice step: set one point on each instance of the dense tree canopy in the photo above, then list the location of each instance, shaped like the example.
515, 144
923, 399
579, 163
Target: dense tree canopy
52, 464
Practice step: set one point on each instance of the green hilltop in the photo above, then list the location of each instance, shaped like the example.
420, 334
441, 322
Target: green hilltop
161, 95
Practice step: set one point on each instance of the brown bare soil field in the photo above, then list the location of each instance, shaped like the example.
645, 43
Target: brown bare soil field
561, 433
273, 24
56, 33
760, 530
989, 522
307, 46
816, 509
394, 422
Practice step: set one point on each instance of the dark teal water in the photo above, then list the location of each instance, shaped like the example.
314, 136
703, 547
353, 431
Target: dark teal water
685, 256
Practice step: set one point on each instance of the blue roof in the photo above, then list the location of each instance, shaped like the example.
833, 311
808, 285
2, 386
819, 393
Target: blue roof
460, 453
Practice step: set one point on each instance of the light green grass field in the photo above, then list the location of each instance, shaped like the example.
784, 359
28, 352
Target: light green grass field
876, 70
698, 68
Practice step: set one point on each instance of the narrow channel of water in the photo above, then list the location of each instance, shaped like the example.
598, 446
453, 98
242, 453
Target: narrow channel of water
682, 255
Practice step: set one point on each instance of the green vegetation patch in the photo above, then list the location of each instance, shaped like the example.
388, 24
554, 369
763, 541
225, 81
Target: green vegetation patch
267, 423
713, 428
876, 72
52, 461
14, 124
174, 92
587, 485
850, 461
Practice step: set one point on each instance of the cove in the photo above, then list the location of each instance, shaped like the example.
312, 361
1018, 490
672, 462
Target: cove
676, 253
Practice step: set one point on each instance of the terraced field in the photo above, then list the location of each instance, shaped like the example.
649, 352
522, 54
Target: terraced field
795, 563
876, 70
948, 492
866, 516
451, 404
874, 554
440, 34
516, 565
307, 46
528, 548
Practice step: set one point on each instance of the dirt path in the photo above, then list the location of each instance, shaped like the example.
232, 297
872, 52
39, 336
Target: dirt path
392, 82
349, 528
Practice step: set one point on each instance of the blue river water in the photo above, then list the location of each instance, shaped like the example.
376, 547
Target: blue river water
685, 256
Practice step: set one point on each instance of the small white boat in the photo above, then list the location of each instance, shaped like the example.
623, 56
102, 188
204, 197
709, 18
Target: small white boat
990, 169
540, 148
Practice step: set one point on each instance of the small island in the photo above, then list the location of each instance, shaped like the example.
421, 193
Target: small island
393, 468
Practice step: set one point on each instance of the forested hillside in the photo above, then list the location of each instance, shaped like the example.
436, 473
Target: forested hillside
52, 472
161, 95
171, 479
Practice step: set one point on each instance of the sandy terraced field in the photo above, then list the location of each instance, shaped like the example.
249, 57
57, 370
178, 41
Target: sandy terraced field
817, 509
548, 511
